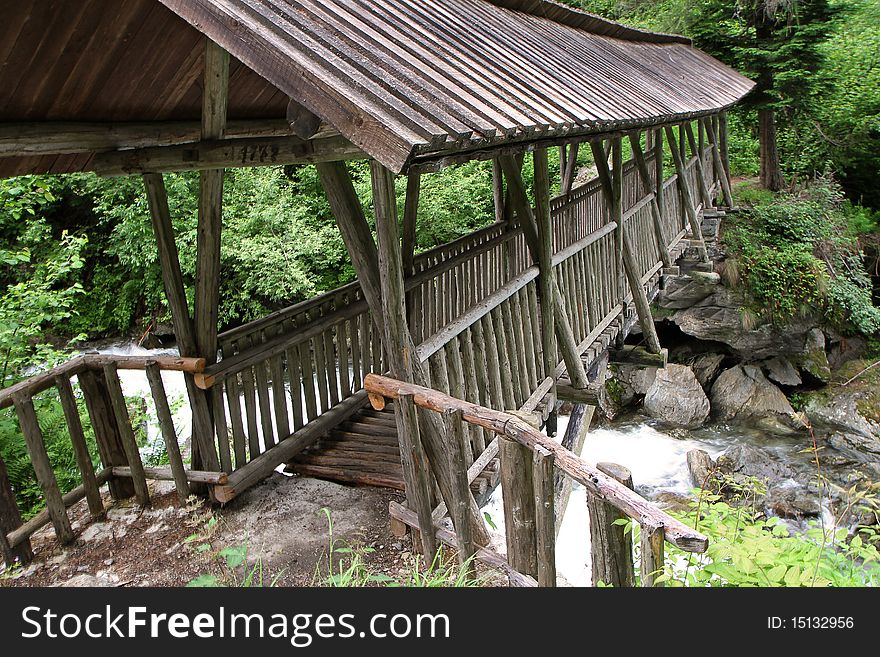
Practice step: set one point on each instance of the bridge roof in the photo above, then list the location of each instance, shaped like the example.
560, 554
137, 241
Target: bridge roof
407, 81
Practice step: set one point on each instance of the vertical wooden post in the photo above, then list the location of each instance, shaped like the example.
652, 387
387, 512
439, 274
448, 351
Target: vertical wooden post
10, 519
723, 148
80, 449
459, 509
110, 448
610, 544
169, 435
215, 99
416, 472
573, 440
686, 196
659, 178
410, 217
33, 437
175, 292
519, 505
617, 212
498, 190
701, 174
126, 433
719, 164
640, 298
546, 296
570, 171
653, 558
545, 516
645, 176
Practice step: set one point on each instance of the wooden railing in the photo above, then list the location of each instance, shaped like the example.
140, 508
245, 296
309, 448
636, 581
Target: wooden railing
529, 460
97, 384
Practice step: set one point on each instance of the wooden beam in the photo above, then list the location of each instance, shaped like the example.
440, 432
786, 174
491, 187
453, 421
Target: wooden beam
63, 138
519, 505
701, 174
10, 520
184, 331
567, 181
545, 516
722, 145
227, 154
498, 191
723, 175
640, 297
687, 198
410, 221
303, 123
169, 435
36, 447
573, 440
546, 296
522, 207
656, 215
610, 543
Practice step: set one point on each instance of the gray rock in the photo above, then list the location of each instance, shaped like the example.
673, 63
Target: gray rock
685, 291
637, 377
793, 501
746, 460
813, 360
718, 318
743, 394
706, 367
836, 410
700, 466
781, 371
677, 398
671, 501
85, 581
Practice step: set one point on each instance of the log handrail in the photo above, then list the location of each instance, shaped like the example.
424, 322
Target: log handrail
78, 364
596, 482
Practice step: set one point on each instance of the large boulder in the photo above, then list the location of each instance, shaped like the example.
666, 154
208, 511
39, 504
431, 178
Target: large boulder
718, 318
743, 394
747, 461
706, 367
677, 398
781, 371
700, 467
813, 360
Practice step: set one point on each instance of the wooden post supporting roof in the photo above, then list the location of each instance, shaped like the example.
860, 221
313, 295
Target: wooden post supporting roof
702, 180
645, 177
520, 204
723, 175
545, 264
359, 242
612, 186
686, 195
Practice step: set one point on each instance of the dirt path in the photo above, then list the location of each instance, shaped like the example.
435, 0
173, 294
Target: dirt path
279, 524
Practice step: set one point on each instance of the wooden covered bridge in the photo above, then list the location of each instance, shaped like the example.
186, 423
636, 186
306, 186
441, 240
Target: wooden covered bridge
408, 376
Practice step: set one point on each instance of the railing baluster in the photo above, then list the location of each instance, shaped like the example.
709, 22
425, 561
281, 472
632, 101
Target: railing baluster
126, 435
169, 435
80, 449
36, 446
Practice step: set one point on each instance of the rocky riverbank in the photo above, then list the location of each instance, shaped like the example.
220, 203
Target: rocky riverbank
801, 385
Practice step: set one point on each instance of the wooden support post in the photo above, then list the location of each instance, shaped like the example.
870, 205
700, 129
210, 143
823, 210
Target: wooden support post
100, 410
545, 516
215, 99
653, 558
564, 333
723, 176
687, 198
617, 214
660, 177
722, 146
410, 217
10, 520
459, 509
498, 190
519, 505
574, 439
546, 296
416, 472
640, 298
701, 174
126, 434
610, 543
399, 347
169, 435
175, 292
570, 170
663, 240
33, 437
80, 449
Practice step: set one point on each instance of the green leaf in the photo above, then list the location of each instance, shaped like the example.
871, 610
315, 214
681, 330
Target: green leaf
204, 581
793, 576
235, 556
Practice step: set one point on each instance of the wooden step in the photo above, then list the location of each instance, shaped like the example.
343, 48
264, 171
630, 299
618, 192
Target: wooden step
358, 478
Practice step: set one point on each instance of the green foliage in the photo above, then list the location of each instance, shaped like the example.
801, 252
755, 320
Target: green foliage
801, 251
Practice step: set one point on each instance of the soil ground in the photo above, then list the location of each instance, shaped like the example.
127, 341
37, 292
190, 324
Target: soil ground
280, 523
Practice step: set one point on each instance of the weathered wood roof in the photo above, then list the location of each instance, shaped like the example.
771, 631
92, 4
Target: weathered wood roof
405, 80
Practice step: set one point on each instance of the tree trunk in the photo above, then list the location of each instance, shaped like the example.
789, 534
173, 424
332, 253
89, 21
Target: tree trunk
771, 173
